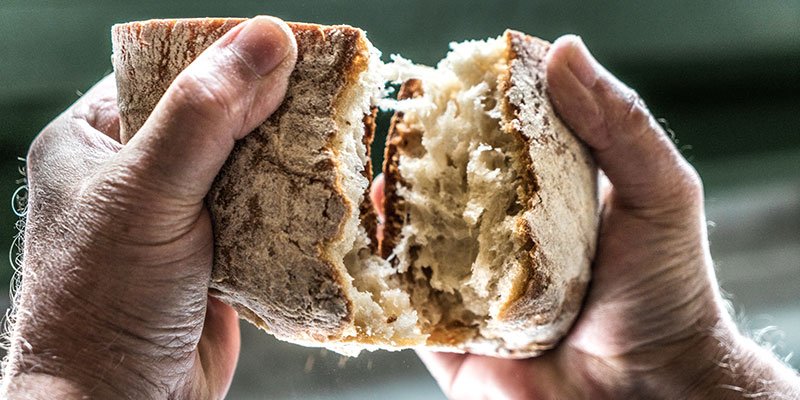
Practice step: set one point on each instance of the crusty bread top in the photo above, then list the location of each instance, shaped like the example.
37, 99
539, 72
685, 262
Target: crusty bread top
148, 55
278, 203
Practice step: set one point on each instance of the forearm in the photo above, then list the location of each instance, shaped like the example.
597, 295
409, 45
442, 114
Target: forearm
46, 378
69, 349
723, 365
750, 371
35, 386
731, 366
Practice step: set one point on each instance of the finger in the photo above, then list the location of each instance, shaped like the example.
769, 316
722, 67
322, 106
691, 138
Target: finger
604, 188
225, 93
467, 376
376, 195
629, 145
73, 145
444, 367
219, 346
98, 107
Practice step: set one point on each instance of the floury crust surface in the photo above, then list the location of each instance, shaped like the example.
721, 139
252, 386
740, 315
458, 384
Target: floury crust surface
293, 240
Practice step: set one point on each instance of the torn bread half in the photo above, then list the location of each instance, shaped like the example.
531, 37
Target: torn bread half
491, 201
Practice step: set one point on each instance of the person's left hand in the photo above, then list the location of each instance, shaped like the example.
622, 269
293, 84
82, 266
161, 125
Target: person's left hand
118, 244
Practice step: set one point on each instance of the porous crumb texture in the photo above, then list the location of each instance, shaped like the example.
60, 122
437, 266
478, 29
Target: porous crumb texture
491, 201
459, 189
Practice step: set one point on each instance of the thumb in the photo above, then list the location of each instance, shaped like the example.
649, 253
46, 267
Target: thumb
231, 88
648, 173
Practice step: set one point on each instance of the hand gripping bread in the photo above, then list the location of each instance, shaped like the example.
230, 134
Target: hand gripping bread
491, 201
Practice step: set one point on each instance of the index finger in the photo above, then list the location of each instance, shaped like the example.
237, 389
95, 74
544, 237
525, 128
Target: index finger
376, 194
99, 108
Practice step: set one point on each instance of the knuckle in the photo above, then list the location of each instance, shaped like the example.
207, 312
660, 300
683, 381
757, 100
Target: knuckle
686, 190
43, 142
205, 96
37, 148
635, 113
692, 184
41, 155
101, 113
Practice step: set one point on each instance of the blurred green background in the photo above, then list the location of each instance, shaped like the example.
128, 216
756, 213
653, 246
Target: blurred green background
725, 74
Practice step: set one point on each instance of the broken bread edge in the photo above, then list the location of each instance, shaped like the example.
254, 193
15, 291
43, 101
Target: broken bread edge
558, 227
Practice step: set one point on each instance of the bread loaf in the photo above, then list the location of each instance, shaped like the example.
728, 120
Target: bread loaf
491, 201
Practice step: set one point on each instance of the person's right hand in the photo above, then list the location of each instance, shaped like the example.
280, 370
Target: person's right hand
654, 324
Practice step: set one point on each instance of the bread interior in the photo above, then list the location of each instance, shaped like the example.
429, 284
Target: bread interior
382, 313
456, 256
462, 191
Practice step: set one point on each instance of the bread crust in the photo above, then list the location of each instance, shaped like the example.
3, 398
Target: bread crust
557, 229
273, 228
367, 213
561, 219
399, 139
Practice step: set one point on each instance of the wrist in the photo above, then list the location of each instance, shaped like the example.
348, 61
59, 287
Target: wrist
35, 386
87, 358
736, 367
91, 339
57, 375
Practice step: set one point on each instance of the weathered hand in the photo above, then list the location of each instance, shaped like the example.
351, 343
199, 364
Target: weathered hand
653, 304
118, 243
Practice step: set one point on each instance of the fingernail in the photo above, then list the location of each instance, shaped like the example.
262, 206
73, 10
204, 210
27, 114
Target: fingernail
582, 64
263, 43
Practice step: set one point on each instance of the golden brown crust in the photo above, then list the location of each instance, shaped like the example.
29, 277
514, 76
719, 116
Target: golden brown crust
561, 219
400, 139
368, 215
272, 228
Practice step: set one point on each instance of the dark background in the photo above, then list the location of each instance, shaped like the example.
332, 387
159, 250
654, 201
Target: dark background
725, 74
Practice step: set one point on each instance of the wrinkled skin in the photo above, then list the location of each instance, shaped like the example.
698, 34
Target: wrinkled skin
118, 250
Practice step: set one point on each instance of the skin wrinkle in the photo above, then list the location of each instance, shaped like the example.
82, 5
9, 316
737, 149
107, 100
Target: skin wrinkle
58, 319
243, 61
208, 98
112, 190
101, 115
102, 146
